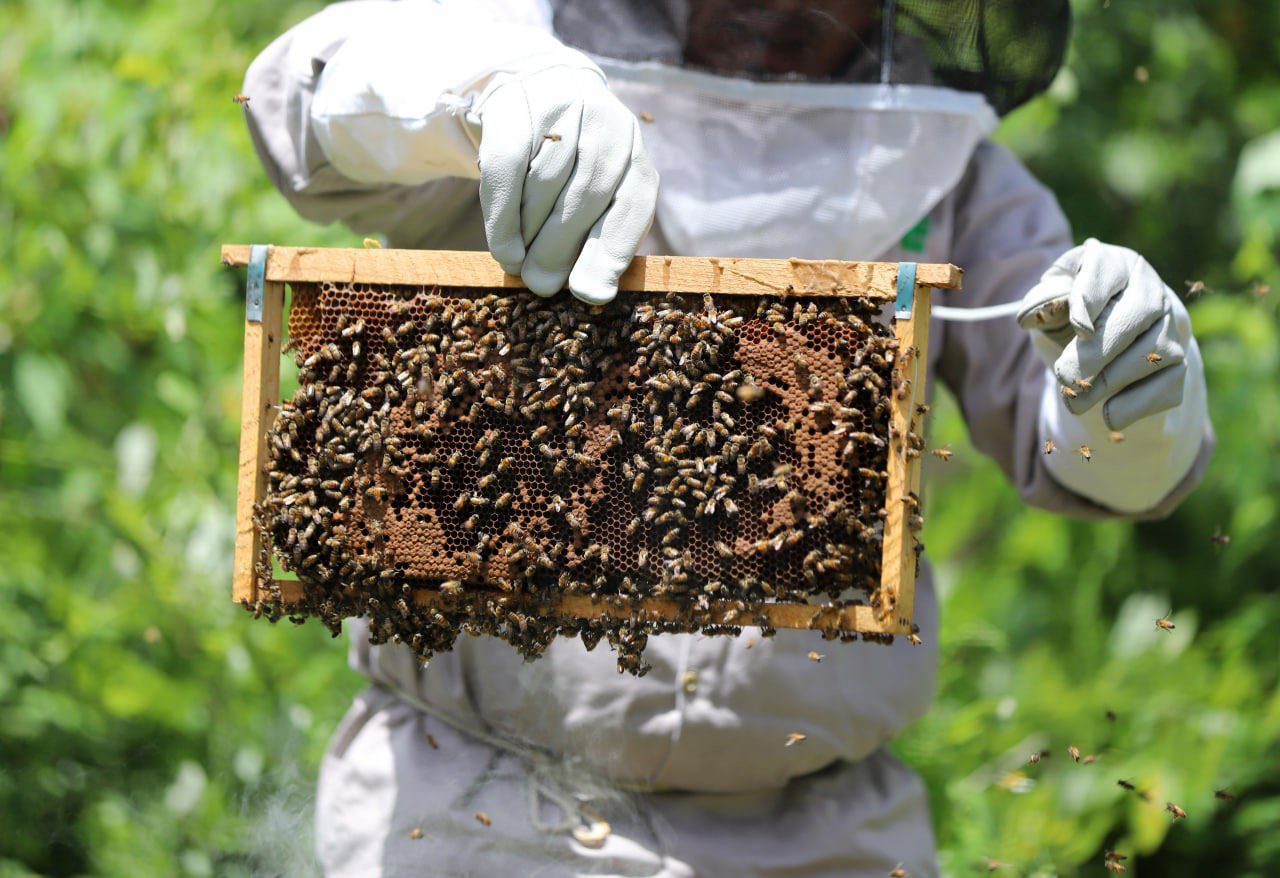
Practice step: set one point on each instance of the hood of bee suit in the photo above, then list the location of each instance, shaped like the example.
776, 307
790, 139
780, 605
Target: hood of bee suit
1008, 51
803, 140
795, 169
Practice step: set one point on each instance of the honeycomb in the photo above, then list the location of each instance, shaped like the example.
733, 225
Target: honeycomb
694, 448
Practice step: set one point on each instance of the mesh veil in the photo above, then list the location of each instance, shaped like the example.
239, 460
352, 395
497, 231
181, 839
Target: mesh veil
1006, 50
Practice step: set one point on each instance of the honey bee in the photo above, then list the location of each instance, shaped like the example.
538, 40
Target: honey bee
943, 454
1178, 813
794, 738
1074, 752
483, 819
1163, 623
1086, 453
1154, 358
749, 393
1049, 447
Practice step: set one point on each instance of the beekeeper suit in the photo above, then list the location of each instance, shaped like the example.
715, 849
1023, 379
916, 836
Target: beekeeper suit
539, 130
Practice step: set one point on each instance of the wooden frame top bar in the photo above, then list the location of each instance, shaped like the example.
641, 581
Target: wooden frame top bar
647, 274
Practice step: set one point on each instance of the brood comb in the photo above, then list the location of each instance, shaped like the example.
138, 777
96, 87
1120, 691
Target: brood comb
730, 443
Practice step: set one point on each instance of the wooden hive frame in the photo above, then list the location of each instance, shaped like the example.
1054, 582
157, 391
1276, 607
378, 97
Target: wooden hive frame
908, 285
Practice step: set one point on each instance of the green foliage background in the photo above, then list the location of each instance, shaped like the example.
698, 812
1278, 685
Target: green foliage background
147, 727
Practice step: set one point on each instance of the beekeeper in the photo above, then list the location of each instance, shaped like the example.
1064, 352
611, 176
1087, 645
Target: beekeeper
823, 129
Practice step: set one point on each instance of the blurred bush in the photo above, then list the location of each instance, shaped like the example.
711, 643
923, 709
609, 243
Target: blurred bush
146, 728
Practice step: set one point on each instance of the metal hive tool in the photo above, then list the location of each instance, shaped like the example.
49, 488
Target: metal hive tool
731, 442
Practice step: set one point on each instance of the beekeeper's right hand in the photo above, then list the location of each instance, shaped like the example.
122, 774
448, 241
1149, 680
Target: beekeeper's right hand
421, 91
562, 163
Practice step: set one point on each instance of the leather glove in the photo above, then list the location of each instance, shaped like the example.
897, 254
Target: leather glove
567, 189
1111, 332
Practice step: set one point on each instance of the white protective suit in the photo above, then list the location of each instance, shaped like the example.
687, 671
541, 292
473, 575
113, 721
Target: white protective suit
687, 764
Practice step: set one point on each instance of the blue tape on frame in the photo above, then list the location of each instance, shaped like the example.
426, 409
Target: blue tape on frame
906, 289
257, 277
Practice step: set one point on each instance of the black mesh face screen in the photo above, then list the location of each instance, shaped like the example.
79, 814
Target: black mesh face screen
1007, 50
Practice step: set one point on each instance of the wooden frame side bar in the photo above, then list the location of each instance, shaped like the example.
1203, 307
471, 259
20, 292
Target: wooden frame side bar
258, 410
898, 569
647, 274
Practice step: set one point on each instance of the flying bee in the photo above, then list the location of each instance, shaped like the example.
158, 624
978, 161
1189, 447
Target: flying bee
1220, 539
241, 99
1068, 392
1089, 760
1116, 437
483, 819
943, 454
815, 656
915, 639
415, 833
794, 738
899, 871
1084, 384
749, 393
431, 739
1178, 813
1154, 358
1113, 866
1224, 795
1049, 447
1074, 752
1163, 623
1125, 785
1038, 755
1086, 453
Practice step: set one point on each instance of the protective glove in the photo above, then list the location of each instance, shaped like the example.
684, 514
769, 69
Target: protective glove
567, 189
1111, 331
1118, 344
426, 91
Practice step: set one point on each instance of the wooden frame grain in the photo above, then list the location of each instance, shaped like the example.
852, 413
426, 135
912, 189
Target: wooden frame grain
653, 274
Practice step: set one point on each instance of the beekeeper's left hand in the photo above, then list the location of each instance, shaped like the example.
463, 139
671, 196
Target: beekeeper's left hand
1111, 331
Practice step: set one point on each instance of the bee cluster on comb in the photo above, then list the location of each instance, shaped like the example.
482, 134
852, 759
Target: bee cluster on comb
460, 459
